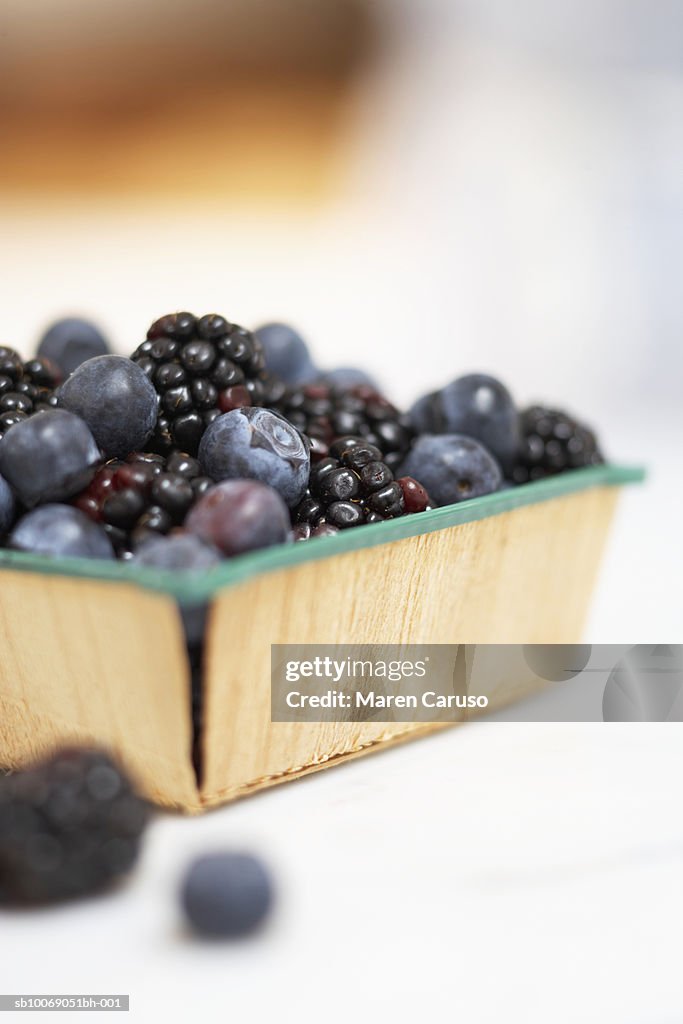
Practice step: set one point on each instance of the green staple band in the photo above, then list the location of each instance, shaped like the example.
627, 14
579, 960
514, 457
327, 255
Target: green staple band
191, 589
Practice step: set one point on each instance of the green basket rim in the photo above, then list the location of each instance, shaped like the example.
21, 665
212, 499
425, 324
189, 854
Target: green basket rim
189, 588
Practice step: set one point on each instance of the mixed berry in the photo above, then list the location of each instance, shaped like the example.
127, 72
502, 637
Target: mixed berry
212, 441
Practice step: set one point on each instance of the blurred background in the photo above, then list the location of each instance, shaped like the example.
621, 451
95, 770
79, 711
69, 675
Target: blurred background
410, 181
424, 187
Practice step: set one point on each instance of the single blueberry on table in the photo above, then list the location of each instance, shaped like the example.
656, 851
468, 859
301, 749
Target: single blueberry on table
116, 399
257, 444
226, 895
61, 531
48, 457
72, 341
7, 506
476, 405
237, 516
285, 354
452, 467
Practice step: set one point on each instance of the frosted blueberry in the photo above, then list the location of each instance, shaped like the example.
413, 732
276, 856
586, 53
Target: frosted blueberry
60, 531
69, 342
285, 353
48, 457
346, 377
452, 467
116, 399
257, 444
180, 551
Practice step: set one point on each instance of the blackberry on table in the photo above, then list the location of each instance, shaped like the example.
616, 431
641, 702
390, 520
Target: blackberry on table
552, 442
324, 413
25, 387
353, 486
144, 496
68, 827
200, 368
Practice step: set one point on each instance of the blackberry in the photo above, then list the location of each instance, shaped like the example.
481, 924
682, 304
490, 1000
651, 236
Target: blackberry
143, 497
68, 827
325, 413
553, 442
25, 387
304, 531
200, 368
353, 486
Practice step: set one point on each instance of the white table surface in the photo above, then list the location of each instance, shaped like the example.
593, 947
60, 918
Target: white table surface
493, 873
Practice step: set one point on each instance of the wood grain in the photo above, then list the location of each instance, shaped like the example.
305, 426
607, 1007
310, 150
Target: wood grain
524, 576
84, 661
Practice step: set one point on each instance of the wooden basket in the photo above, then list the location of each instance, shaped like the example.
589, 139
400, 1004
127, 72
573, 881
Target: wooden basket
95, 651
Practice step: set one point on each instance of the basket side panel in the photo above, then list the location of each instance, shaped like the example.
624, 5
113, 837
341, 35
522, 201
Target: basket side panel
524, 576
85, 661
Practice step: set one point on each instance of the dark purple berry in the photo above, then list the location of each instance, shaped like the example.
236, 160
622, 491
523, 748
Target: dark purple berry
68, 827
237, 516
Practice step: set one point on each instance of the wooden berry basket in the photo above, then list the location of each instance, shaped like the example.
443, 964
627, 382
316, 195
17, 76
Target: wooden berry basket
95, 651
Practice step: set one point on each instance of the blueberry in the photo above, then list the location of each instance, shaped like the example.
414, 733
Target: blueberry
184, 551
117, 401
423, 414
238, 516
47, 457
257, 444
60, 531
452, 467
346, 377
476, 405
7, 506
68, 343
226, 895
285, 353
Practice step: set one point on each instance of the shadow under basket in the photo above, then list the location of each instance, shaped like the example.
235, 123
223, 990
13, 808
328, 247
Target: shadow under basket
96, 651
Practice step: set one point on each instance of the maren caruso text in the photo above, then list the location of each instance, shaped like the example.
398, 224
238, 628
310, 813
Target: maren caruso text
371, 699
